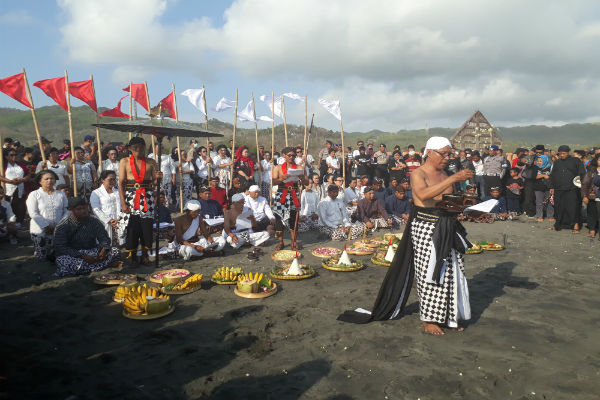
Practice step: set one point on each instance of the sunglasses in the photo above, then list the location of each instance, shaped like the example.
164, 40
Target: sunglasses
290, 155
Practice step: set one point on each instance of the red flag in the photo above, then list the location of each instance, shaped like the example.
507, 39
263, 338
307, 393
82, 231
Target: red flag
115, 112
55, 89
167, 105
14, 86
139, 94
84, 91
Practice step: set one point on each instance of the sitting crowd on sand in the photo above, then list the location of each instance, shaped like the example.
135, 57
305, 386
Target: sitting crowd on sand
214, 198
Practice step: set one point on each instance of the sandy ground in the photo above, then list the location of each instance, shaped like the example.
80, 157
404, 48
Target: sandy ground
534, 332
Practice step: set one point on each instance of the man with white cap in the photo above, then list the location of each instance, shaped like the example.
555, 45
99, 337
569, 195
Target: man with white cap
263, 215
431, 251
237, 228
192, 236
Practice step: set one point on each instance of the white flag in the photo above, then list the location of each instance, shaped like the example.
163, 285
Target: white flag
269, 101
333, 107
224, 104
293, 96
247, 114
265, 118
196, 97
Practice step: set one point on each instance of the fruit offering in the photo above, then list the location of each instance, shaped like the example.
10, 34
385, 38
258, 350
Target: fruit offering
123, 290
490, 246
326, 252
188, 284
285, 255
476, 249
361, 251
253, 283
145, 300
227, 275
171, 274
334, 265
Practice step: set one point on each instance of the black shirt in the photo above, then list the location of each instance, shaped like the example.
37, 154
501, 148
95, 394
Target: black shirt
563, 172
363, 164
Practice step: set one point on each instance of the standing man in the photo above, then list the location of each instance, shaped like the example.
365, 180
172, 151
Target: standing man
493, 170
138, 176
322, 163
86, 173
381, 167
429, 252
412, 159
567, 197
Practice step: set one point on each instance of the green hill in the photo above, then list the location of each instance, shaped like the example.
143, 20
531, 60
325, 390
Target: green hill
53, 124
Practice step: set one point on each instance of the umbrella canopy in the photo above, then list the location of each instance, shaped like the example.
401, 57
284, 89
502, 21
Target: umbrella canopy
158, 127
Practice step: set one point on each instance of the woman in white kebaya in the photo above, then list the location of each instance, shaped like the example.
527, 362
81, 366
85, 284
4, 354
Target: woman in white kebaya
106, 204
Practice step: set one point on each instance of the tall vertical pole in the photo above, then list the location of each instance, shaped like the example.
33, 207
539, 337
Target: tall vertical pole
130, 105
284, 121
97, 130
152, 136
343, 153
70, 134
35, 124
233, 143
157, 202
179, 155
255, 130
305, 129
209, 168
272, 146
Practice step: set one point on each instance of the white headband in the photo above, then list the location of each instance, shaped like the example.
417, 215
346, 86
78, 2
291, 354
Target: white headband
436, 143
237, 197
254, 188
193, 205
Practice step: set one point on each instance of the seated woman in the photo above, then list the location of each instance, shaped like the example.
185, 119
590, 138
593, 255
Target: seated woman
46, 207
237, 229
8, 228
81, 242
192, 236
106, 205
371, 212
334, 220
309, 202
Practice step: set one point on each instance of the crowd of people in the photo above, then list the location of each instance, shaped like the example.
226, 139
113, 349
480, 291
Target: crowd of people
235, 197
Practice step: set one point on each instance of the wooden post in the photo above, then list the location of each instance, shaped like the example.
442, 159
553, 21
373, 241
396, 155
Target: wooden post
233, 142
157, 202
272, 147
209, 168
35, 124
70, 135
343, 153
255, 130
305, 129
284, 121
179, 155
130, 105
97, 131
152, 136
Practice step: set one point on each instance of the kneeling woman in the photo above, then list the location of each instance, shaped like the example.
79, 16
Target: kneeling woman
46, 207
192, 236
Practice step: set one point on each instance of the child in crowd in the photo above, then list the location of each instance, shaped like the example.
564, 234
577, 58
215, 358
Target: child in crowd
514, 186
398, 206
499, 210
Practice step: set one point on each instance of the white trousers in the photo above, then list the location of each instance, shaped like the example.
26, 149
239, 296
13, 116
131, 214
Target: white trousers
187, 251
254, 238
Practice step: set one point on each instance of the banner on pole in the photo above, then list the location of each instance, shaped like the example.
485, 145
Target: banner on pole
14, 86
268, 100
55, 89
115, 112
224, 104
196, 97
333, 107
84, 91
139, 94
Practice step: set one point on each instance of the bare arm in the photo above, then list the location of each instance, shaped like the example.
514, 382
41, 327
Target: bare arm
422, 191
122, 181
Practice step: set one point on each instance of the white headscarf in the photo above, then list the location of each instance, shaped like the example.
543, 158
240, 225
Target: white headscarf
436, 143
237, 197
193, 205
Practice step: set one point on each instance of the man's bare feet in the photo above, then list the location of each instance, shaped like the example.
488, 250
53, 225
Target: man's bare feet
592, 234
540, 220
116, 264
295, 246
433, 329
279, 246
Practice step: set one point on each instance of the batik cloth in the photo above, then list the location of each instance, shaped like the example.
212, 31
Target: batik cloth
356, 231
42, 245
69, 265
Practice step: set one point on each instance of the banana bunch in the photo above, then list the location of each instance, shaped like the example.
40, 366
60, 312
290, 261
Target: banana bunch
227, 274
190, 283
123, 291
136, 300
256, 277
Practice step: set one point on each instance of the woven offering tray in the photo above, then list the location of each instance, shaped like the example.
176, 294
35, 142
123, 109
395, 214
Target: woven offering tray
218, 282
374, 243
331, 265
260, 295
156, 277
114, 278
285, 255
326, 252
180, 292
360, 251
490, 246
380, 261
149, 316
476, 249
277, 273
394, 237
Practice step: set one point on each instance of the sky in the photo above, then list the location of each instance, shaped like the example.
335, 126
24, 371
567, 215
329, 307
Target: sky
397, 64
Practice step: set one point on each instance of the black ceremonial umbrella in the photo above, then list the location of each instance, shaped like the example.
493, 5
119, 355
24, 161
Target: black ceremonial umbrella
160, 128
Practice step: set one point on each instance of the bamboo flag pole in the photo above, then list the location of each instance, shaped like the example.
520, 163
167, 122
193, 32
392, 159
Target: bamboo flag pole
35, 124
70, 134
343, 151
2, 161
179, 150
255, 130
272, 146
154, 151
305, 128
97, 130
233, 142
130, 105
284, 121
209, 168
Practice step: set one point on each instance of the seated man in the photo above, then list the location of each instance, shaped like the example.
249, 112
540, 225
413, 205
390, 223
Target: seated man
8, 228
398, 207
334, 220
500, 211
218, 193
378, 190
81, 243
405, 183
371, 212
237, 229
210, 207
264, 219
351, 196
192, 237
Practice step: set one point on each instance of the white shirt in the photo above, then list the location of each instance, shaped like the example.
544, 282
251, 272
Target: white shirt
478, 167
106, 206
309, 201
14, 171
186, 167
266, 175
108, 165
45, 209
167, 167
213, 154
333, 161
332, 213
60, 169
351, 195
10, 215
280, 160
260, 208
84, 173
202, 168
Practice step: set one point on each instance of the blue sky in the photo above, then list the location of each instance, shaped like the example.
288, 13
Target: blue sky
392, 64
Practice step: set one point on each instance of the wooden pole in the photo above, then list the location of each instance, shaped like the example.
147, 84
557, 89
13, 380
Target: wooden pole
130, 105
71, 134
2, 161
35, 124
152, 136
305, 129
179, 155
272, 147
97, 131
284, 121
255, 130
233, 142
343, 151
209, 168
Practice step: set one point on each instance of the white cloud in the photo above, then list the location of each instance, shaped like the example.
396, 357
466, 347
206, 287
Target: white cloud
393, 64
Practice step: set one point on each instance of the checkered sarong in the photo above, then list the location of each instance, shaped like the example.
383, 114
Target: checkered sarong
283, 210
129, 198
437, 302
